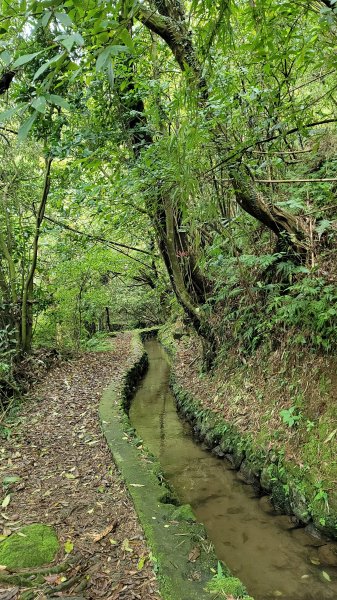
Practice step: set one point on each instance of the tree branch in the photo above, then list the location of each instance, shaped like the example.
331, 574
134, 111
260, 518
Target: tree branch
96, 238
115, 245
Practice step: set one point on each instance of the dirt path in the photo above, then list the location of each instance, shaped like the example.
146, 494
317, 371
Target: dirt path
68, 480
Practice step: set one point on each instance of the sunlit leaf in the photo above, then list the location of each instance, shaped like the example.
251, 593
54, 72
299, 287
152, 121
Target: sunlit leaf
39, 104
68, 546
22, 60
6, 501
26, 126
64, 19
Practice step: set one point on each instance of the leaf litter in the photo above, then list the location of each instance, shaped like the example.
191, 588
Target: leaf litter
62, 474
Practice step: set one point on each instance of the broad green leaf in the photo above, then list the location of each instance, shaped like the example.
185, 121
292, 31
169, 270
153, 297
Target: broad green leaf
69, 40
6, 501
22, 60
102, 58
47, 64
111, 75
7, 114
58, 100
117, 49
5, 57
39, 104
45, 18
78, 39
64, 19
127, 39
26, 127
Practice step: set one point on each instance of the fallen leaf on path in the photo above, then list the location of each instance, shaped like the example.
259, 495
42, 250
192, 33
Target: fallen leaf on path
10, 479
126, 546
68, 546
105, 532
6, 501
141, 562
194, 554
53, 578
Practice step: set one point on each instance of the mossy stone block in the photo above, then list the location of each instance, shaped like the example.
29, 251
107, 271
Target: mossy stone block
33, 546
183, 513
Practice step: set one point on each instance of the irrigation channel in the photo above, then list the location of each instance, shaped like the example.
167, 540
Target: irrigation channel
271, 556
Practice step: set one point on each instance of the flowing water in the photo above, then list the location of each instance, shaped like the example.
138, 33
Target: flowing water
263, 549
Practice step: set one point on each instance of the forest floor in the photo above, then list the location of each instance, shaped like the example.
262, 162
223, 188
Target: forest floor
66, 478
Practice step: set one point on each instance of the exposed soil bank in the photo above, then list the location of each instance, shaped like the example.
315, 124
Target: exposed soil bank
58, 470
266, 457
183, 556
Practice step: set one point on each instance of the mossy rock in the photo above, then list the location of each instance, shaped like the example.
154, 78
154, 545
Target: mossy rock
229, 586
183, 513
267, 477
299, 504
33, 546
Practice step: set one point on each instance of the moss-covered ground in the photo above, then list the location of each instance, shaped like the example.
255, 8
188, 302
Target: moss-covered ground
32, 546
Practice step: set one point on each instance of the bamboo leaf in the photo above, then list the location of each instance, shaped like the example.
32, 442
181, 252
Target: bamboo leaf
22, 60
26, 127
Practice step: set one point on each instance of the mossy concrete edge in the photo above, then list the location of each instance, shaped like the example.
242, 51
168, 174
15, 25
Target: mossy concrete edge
171, 541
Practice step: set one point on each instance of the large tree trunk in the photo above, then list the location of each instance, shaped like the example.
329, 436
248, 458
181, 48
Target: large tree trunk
171, 25
187, 282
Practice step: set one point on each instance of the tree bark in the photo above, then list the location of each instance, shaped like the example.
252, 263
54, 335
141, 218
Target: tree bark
27, 297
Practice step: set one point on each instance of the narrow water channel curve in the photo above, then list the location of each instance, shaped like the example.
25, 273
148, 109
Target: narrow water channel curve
273, 559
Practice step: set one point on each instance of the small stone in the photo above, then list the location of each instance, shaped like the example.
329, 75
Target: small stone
305, 539
314, 532
328, 555
284, 522
218, 452
266, 505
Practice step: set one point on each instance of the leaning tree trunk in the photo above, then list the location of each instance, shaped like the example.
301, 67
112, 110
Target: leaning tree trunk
169, 22
289, 229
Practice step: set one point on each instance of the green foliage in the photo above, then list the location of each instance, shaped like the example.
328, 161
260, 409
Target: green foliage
225, 585
289, 416
131, 135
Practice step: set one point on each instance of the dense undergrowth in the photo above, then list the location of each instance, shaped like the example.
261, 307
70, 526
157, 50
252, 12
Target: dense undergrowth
165, 161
